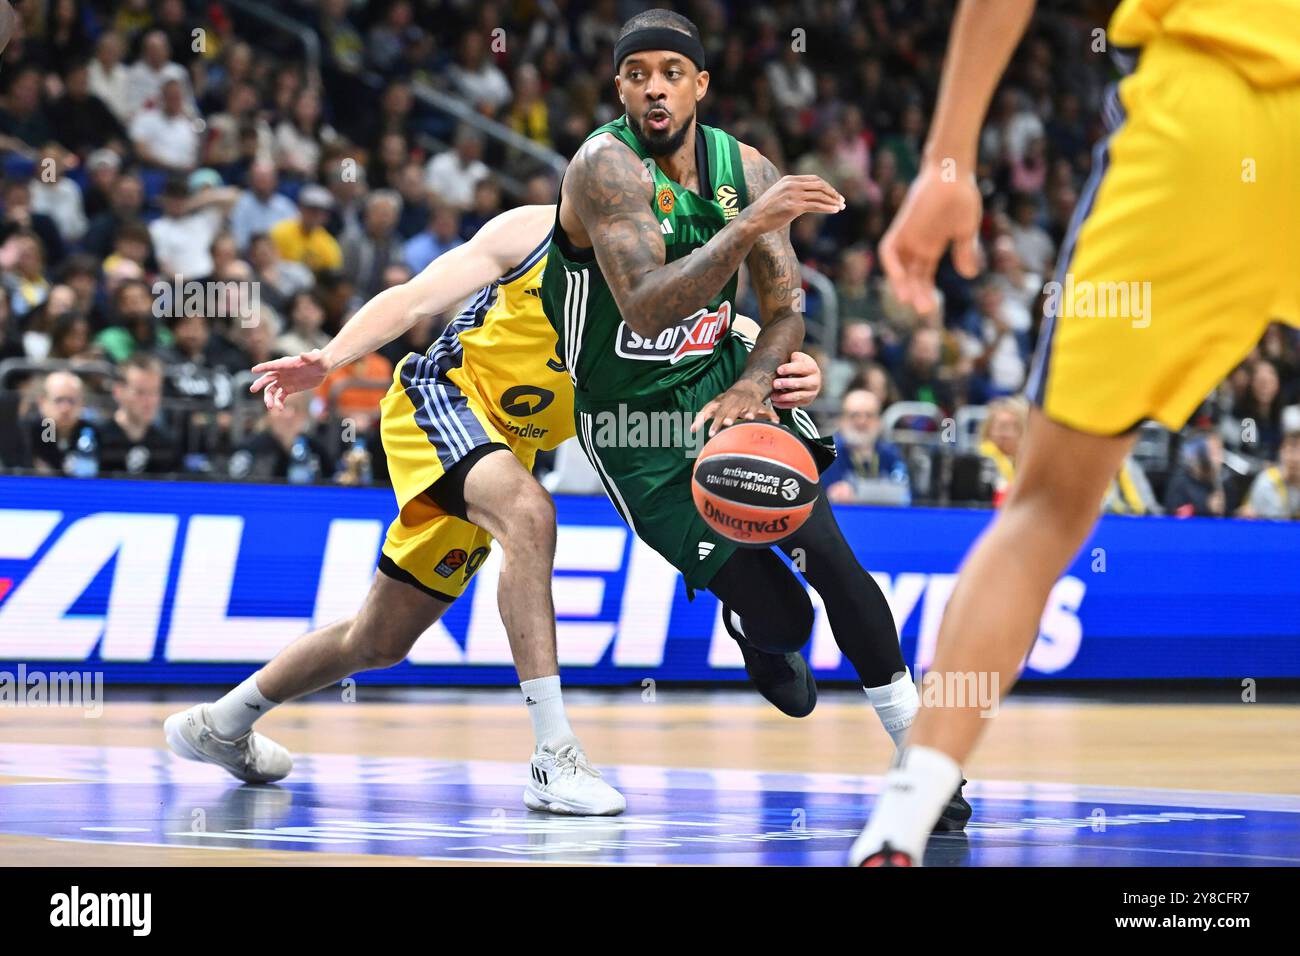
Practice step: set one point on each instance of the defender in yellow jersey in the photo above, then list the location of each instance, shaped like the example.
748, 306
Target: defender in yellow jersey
1184, 246
491, 384
490, 381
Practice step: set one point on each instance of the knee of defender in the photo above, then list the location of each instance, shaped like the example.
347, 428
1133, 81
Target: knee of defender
531, 522
371, 651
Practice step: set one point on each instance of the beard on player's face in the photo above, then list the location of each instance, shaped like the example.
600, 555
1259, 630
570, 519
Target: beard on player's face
660, 142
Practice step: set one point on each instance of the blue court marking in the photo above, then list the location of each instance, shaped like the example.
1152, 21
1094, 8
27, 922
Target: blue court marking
471, 810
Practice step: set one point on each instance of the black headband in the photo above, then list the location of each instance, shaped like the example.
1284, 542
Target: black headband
659, 38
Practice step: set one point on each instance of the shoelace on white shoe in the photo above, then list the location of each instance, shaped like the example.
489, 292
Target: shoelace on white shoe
570, 760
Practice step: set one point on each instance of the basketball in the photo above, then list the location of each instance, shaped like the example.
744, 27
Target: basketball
755, 483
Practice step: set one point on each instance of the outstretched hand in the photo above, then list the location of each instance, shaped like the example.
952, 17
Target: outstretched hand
282, 377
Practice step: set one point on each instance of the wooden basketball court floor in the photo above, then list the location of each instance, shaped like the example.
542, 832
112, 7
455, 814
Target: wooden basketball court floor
711, 777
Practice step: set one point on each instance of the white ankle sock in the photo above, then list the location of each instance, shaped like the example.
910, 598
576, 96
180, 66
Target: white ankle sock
896, 705
233, 715
546, 710
916, 791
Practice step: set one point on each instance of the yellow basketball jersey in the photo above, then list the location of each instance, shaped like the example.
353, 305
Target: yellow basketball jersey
1258, 38
502, 350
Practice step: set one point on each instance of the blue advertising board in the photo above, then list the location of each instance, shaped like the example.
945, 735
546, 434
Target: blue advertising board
198, 582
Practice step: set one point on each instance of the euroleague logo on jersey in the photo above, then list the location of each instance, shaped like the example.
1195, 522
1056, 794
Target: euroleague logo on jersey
696, 334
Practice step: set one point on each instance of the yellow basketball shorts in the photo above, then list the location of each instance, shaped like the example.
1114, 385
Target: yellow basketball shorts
1184, 246
428, 424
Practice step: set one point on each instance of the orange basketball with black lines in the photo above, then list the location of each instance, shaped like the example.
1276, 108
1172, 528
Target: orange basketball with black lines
755, 483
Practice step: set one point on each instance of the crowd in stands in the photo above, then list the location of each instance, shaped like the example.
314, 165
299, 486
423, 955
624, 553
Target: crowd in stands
162, 141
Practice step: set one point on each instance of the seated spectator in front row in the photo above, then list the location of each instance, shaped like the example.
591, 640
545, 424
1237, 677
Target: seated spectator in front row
284, 447
306, 325
1275, 492
1000, 436
1130, 492
1197, 486
132, 442
53, 432
861, 456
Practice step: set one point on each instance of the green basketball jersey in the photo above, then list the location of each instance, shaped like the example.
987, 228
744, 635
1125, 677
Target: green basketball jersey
607, 360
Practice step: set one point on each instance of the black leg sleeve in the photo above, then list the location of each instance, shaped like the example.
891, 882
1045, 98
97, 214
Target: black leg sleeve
774, 608
859, 614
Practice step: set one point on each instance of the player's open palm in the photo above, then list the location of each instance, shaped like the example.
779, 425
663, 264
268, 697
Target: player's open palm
938, 210
791, 197
282, 377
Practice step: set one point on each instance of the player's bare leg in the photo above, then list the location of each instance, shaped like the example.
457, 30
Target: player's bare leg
382, 633
992, 620
503, 499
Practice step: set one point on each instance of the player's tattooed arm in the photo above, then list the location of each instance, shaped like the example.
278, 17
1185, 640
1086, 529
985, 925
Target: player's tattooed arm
611, 191
774, 273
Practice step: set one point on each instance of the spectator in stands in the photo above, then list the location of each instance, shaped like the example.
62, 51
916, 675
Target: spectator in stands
1000, 436
102, 170
173, 21
487, 206
998, 366
24, 126
529, 115
857, 350
1032, 243
59, 422
132, 243
135, 328
794, 87
1275, 493
23, 259
108, 77
194, 212
367, 253
304, 238
132, 441
70, 338
453, 174
387, 40
861, 457
260, 206
415, 200
19, 216
81, 120
283, 447
80, 274
1130, 492
1197, 486
125, 206
475, 77
165, 136
392, 155
11, 340
224, 147
442, 234
343, 44
920, 377
1260, 411
299, 137
279, 279
306, 325
147, 78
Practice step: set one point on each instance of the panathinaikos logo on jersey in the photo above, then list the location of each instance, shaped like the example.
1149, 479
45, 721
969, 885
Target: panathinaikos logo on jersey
726, 198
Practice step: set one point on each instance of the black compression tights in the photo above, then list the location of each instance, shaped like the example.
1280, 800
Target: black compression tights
778, 617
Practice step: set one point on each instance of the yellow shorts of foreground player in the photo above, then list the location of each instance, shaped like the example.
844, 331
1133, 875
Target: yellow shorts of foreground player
1184, 246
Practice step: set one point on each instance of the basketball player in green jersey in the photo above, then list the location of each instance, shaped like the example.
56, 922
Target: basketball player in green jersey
656, 215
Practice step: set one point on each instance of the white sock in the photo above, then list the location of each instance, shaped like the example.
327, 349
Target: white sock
546, 710
896, 705
916, 791
234, 715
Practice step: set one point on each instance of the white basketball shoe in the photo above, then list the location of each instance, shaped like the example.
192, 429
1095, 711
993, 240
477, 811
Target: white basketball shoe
253, 758
563, 781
